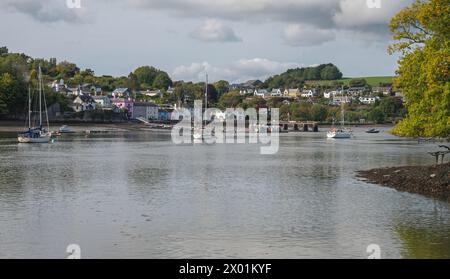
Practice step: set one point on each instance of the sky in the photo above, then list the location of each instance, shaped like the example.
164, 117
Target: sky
235, 40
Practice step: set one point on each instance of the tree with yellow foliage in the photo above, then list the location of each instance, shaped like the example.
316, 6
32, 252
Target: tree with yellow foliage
421, 33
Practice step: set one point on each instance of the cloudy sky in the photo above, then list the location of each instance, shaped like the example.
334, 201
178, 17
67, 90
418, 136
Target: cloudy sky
234, 40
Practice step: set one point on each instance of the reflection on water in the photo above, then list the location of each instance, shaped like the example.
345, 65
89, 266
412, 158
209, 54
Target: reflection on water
137, 195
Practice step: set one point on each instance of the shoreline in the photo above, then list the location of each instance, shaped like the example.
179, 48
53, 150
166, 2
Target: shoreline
429, 180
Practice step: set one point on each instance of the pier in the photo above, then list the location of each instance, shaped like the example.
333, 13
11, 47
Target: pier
299, 126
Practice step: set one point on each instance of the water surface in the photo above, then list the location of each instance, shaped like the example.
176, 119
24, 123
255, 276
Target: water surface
137, 195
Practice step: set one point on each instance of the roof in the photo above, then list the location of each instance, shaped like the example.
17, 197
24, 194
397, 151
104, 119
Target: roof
145, 104
120, 90
85, 98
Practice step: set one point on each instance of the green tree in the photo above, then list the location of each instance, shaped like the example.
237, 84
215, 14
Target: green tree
66, 70
358, 82
222, 86
162, 81
421, 32
330, 72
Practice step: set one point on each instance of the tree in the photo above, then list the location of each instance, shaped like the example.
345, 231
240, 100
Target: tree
3, 51
222, 87
162, 81
66, 70
377, 115
357, 82
146, 74
133, 83
230, 100
421, 33
330, 72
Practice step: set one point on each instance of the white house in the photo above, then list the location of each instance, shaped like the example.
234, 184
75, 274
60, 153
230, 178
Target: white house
308, 93
338, 100
331, 94
262, 93
102, 101
244, 91
276, 93
152, 93
368, 100
121, 92
83, 103
356, 91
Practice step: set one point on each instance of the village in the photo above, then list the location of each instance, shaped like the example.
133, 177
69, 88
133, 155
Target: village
145, 105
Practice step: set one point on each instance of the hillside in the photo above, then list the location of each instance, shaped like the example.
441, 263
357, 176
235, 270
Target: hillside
372, 81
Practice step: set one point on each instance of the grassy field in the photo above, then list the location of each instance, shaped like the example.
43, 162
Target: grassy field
372, 81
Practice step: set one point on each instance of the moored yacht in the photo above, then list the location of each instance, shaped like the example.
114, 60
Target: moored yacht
36, 134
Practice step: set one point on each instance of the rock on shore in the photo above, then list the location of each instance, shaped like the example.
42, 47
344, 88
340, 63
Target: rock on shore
432, 181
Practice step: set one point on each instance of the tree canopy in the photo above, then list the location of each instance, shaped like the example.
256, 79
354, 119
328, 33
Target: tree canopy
421, 32
295, 78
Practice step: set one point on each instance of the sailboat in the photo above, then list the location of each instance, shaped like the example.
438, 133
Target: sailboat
341, 132
198, 131
36, 134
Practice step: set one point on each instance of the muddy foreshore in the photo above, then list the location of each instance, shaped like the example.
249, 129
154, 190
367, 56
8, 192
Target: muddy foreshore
431, 181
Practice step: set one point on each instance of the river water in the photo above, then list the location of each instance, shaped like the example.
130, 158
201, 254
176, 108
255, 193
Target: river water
137, 195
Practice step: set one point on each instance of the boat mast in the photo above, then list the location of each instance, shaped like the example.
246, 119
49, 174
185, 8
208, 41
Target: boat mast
29, 107
40, 97
206, 94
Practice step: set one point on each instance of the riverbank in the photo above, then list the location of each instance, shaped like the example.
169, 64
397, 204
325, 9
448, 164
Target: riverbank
432, 181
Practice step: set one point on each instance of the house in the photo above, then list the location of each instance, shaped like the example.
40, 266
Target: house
385, 90
170, 90
368, 100
331, 94
246, 91
58, 85
96, 90
276, 93
165, 112
264, 93
308, 93
124, 104
152, 93
338, 100
146, 110
291, 93
356, 91
103, 102
121, 92
83, 103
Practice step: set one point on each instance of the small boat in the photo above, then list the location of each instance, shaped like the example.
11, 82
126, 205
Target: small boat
65, 130
372, 131
342, 132
339, 134
37, 134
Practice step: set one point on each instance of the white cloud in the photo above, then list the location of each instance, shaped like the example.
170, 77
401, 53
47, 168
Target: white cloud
45, 10
239, 71
306, 35
215, 31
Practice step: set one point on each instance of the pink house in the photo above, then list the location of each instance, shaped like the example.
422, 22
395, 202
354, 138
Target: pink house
124, 104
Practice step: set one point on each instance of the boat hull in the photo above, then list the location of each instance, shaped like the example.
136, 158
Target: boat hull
43, 139
341, 135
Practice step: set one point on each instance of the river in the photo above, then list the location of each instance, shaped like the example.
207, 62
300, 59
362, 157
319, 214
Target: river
135, 194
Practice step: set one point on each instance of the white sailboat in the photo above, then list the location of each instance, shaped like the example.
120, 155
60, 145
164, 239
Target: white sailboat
36, 134
341, 132
199, 131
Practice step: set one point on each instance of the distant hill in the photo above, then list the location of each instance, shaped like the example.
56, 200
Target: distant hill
372, 81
